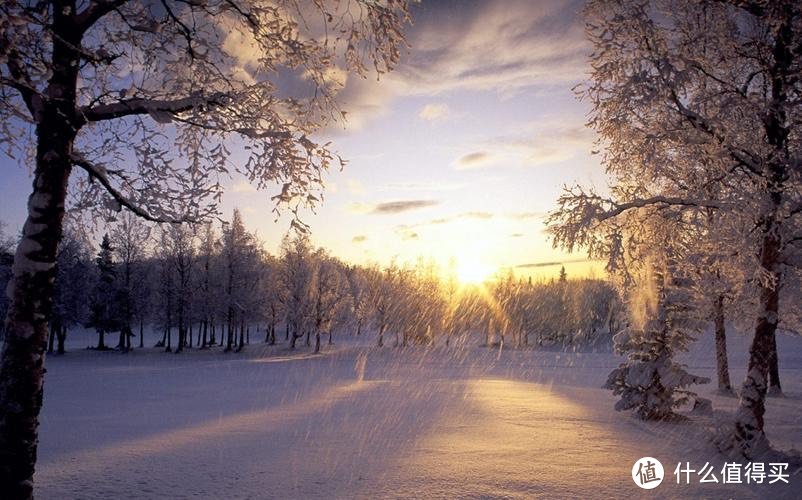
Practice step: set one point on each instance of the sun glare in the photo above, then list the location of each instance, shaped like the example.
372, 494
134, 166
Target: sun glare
473, 271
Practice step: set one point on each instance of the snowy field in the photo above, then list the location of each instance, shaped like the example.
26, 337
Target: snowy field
361, 422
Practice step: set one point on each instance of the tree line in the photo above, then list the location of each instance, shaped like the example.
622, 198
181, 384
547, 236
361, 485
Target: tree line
214, 285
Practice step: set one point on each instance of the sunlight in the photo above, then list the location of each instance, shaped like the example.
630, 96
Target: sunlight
473, 271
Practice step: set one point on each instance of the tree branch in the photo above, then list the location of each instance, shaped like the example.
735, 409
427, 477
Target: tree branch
92, 13
664, 201
99, 173
141, 106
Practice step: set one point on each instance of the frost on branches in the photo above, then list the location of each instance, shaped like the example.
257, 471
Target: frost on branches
651, 383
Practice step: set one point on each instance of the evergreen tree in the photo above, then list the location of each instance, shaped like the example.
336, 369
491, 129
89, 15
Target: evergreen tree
106, 297
650, 382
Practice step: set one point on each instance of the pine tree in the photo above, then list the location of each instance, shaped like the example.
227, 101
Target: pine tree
650, 382
106, 296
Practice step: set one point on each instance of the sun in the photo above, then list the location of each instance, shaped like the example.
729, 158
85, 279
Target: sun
473, 271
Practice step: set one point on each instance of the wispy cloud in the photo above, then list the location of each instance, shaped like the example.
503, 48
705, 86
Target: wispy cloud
424, 186
407, 234
546, 142
550, 264
473, 160
517, 235
360, 238
526, 215
396, 207
502, 46
433, 112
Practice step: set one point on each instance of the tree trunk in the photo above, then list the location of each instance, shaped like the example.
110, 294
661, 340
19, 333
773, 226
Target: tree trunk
241, 343
34, 271
205, 328
722, 365
287, 331
381, 336
317, 342
52, 337
749, 434
331, 336
62, 336
101, 341
775, 389
141, 333
230, 332
308, 339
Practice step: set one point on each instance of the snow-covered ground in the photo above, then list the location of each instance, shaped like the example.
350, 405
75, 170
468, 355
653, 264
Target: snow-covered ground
363, 422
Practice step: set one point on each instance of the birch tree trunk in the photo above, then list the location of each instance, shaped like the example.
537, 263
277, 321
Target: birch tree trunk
33, 275
34, 270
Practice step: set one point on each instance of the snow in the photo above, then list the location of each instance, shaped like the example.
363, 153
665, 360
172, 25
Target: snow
358, 421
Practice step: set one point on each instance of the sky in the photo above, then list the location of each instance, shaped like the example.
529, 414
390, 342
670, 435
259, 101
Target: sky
456, 156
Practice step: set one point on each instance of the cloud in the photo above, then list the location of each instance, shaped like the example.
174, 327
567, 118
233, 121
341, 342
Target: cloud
361, 238
550, 264
526, 215
407, 234
396, 207
469, 161
433, 112
501, 46
517, 235
548, 141
423, 186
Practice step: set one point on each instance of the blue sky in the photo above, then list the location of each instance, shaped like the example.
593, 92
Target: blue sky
457, 154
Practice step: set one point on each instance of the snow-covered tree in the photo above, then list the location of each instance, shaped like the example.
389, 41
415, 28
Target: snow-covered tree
296, 278
208, 283
179, 250
130, 236
272, 297
326, 295
696, 104
358, 296
72, 288
662, 323
167, 85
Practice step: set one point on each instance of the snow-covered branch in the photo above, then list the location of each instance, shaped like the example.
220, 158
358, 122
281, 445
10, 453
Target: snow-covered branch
99, 173
160, 110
